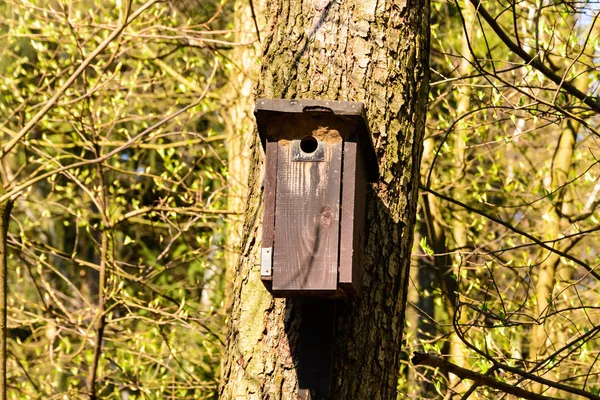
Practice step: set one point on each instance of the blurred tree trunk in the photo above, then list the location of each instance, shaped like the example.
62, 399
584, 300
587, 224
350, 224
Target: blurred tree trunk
239, 124
554, 274
375, 52
544, 340
420, 309
459, 224
5, 210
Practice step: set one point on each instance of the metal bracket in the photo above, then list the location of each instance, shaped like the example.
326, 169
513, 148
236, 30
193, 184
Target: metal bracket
266, 261
299, 155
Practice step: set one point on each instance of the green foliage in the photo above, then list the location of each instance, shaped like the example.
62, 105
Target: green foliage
149, 184
495, 125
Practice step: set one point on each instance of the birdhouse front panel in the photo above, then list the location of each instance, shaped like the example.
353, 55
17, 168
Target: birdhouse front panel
319, 158
307, 213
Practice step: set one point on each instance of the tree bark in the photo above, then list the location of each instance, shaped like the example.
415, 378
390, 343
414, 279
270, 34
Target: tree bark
370, 51
5, 210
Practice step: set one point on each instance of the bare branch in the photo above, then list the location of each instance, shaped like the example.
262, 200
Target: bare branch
37, 117
434, 360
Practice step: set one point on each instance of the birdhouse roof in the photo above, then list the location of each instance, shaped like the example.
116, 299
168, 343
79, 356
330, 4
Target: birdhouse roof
351, 111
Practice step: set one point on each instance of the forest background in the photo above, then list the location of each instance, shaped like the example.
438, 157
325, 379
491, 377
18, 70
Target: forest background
126, 133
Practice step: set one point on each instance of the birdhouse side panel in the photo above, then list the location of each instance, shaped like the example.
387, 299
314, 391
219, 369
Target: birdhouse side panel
306, 241
352, 231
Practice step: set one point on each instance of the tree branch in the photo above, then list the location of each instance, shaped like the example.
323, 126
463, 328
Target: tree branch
254, 19
534, 61
433, 360
17, 190
514, 229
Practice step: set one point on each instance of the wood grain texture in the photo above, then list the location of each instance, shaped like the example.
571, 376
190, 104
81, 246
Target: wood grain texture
307, 221
354, 196
270, 185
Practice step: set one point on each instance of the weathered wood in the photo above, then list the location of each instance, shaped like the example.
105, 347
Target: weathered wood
287, 122
307, 220
299, 106
269, 189
347, 117
352, 234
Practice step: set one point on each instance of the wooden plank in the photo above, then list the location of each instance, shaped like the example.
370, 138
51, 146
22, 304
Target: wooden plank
352, 235
307, 221
269, 190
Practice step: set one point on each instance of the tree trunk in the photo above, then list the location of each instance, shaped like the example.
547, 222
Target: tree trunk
239, 123
544, 338
443, 267
420, 311
459, 225
5, 210
370, 51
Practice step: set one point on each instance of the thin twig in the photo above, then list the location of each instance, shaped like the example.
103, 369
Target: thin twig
254, 19
37, 117
534, 61
514, 229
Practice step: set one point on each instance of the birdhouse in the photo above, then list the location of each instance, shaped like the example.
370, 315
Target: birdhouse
319, 159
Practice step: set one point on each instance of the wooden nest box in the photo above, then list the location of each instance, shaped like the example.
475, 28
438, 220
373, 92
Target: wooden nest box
319, 158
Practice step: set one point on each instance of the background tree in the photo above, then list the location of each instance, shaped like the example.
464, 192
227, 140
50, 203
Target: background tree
370, 52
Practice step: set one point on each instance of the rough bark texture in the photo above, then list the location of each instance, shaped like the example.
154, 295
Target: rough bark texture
362, 50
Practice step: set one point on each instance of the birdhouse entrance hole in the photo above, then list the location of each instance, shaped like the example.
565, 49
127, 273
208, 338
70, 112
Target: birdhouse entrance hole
309, 144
